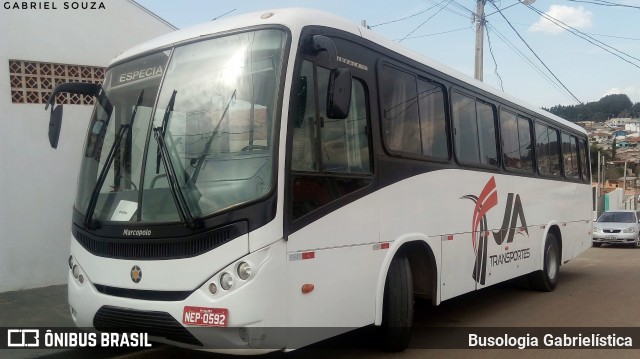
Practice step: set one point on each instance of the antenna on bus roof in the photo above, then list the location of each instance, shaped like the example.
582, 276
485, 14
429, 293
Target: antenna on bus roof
217, 17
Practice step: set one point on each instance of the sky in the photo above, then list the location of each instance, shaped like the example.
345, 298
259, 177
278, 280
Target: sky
443, 30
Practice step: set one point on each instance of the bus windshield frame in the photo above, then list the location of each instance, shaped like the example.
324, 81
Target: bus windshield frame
201, 122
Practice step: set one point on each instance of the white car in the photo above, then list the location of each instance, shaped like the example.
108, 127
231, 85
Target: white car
617, 227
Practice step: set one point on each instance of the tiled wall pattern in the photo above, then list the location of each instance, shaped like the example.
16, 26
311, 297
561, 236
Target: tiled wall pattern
32, 82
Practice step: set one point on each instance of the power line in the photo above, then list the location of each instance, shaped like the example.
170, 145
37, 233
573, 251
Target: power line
424, 22
587, 33
528, 61
586, 37
404, 18
494, 59
438, 33
455, 12
605, 3
533, 52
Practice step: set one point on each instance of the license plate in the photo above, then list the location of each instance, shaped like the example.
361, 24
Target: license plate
205, 317
609, 237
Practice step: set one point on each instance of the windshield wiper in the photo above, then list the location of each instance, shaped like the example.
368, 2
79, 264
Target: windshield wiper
207, 146
124, 129
165, 120
174, 187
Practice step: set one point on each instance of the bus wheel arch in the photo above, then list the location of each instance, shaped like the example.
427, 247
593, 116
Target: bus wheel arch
546, 278
411, 272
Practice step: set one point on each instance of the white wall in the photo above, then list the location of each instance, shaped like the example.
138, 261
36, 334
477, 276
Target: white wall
37, 183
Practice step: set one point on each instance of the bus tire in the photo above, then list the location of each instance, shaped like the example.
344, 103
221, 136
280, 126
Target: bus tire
545, 280
397, 306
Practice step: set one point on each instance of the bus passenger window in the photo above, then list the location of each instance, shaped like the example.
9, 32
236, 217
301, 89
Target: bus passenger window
570, 156
433, 125
516, 141
400, 111
547, 150
584, 160
474, 130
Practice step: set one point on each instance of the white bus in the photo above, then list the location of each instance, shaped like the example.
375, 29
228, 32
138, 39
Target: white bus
288, 169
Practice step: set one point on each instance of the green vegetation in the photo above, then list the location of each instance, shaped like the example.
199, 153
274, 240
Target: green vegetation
610, 106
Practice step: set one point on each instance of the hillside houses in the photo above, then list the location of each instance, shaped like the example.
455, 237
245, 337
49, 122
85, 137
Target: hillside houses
624, 134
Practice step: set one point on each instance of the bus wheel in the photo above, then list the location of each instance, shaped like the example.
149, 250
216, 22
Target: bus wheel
546, 279
397, 310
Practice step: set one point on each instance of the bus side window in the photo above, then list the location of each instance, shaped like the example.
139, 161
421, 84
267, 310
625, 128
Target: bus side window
400, 111
547, 150
584, 159
474, 130
433, 125
570, 156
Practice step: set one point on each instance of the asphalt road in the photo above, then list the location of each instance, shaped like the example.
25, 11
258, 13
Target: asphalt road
599, 289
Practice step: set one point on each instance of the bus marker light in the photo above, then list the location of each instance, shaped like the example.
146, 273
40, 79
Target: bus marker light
379, 246
213, 288
449, 237
301, 256
307, 288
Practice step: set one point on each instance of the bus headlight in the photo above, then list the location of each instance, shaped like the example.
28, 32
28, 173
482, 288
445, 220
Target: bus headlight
226, 281
75, 271
244, 271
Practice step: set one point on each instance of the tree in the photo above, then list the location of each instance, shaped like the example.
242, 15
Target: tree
618, 105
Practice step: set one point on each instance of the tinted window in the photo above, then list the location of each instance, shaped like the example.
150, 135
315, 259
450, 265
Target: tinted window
584, 160
516, 141
400, 111
547, 150
474, 130
570, 156
432, 119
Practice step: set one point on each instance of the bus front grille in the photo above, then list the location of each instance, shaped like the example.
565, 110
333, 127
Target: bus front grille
158, 249
156, 324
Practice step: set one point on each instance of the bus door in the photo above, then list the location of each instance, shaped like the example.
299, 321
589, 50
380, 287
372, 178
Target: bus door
334, 222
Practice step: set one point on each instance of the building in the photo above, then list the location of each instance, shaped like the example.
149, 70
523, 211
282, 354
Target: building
621, 122
41, 45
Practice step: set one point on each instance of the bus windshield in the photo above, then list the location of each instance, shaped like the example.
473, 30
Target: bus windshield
189, 129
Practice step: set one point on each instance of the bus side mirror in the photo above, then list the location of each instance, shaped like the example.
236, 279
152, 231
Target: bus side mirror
339, 93
55, 119
55, 123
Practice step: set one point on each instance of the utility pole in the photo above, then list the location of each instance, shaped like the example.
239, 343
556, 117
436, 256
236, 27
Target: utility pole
479, 39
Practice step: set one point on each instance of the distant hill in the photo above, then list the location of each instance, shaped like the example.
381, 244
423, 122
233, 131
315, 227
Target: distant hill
610, 106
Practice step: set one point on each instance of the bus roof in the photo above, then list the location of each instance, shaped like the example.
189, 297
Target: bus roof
297, 18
